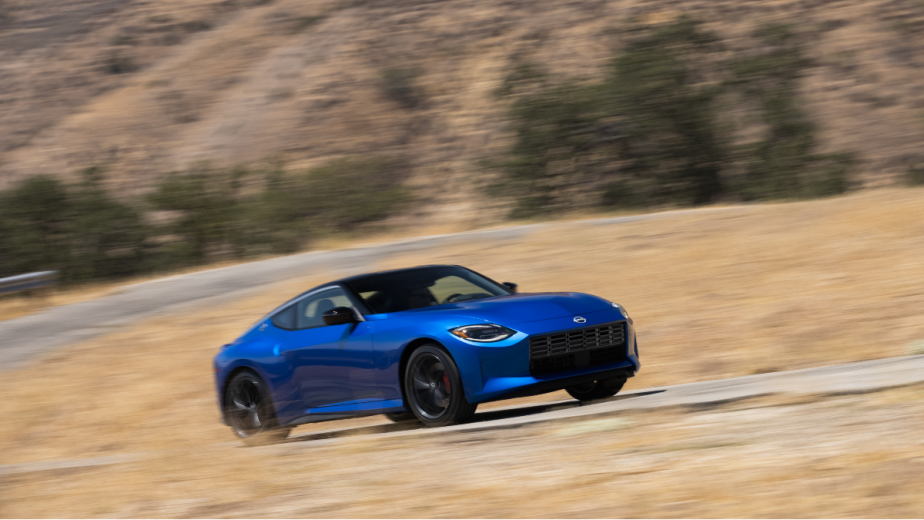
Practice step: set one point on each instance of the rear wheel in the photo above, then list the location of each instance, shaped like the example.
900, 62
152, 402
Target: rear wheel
433, 388
249, 411
596, 389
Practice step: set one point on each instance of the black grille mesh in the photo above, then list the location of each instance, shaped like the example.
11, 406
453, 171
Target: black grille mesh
562, 351
609, 335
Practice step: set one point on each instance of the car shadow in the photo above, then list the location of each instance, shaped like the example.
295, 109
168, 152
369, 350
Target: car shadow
481, 417
522, 411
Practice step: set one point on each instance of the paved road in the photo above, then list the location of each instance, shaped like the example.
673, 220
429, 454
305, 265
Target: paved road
23, 338
849, 378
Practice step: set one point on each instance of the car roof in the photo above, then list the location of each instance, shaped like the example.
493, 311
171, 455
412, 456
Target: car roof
364, 276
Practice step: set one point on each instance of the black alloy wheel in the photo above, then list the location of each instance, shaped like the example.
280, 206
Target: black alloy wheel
596, 389
433, 388
249, 411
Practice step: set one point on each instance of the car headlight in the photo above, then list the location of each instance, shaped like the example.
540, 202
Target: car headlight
621, 309
485, 333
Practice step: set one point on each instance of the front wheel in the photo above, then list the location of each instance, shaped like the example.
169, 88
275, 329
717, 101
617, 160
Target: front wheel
433, 388
596, 389
249, 411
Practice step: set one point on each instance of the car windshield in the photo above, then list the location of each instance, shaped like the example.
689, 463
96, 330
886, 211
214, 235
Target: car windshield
424, 287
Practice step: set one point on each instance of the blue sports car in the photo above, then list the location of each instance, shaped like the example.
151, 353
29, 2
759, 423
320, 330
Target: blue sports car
427, 343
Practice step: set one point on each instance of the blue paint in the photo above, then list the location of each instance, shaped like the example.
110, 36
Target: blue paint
354, 369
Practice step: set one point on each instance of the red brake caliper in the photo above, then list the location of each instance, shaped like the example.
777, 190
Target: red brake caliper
446, 383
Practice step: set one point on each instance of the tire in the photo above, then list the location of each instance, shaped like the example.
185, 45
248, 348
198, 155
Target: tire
399, 417
433, 388
597, 389
249, 411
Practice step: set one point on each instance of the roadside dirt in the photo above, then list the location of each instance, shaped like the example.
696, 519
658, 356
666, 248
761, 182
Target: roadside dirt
716, 295
805, 456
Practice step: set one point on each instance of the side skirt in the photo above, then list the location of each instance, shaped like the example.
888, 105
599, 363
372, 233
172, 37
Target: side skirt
347, 411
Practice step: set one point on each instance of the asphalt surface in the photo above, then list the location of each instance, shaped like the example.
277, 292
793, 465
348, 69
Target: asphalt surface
867, 376
24, 338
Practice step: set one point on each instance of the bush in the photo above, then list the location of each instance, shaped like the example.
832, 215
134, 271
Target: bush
119, 64
206, 214
242, 213
399, 85
783, 163
34, 218
916, 175
647, 134
106, 237
80, 231
207, 202
350, 192
657, 88
653, 132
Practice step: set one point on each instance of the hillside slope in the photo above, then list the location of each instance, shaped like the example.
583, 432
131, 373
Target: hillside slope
143, 88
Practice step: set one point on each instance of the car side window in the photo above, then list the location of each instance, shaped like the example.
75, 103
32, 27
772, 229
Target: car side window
285, 319
309, 311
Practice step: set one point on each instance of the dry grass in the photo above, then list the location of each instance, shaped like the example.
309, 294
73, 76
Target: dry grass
769, 457
714, 295
745, 291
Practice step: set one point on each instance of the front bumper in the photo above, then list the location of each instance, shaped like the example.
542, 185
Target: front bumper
505, 370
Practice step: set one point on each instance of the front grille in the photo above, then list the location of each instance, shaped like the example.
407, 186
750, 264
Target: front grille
561, 351
610, 335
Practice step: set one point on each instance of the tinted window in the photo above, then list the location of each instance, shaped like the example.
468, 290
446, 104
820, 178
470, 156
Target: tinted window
285, 319
309, 311
414, 289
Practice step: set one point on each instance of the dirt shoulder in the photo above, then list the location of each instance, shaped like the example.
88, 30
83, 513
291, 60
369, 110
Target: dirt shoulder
717, 295
793, 456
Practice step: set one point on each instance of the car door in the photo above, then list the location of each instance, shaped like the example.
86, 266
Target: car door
330, 364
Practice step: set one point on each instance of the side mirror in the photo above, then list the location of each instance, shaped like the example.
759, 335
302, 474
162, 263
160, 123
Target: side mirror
512, 287
339, 316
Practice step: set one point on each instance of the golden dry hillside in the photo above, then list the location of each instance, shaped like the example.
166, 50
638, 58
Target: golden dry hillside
714, 294
142, 87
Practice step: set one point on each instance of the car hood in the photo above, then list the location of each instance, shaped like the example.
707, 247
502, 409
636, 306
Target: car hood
518, 308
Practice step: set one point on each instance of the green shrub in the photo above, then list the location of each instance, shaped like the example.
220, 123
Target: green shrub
243, 213
107, 238
80, 231
647, 134
399, 85
119, 64
34, 218
656, 129
304, 22
657, 88
347, 193
208, 207
915, 175
783, 164
206, 213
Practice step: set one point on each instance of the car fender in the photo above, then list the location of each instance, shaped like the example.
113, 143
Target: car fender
466, 359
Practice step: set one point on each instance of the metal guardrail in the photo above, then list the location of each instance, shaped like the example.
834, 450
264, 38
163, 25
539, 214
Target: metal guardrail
28, 282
